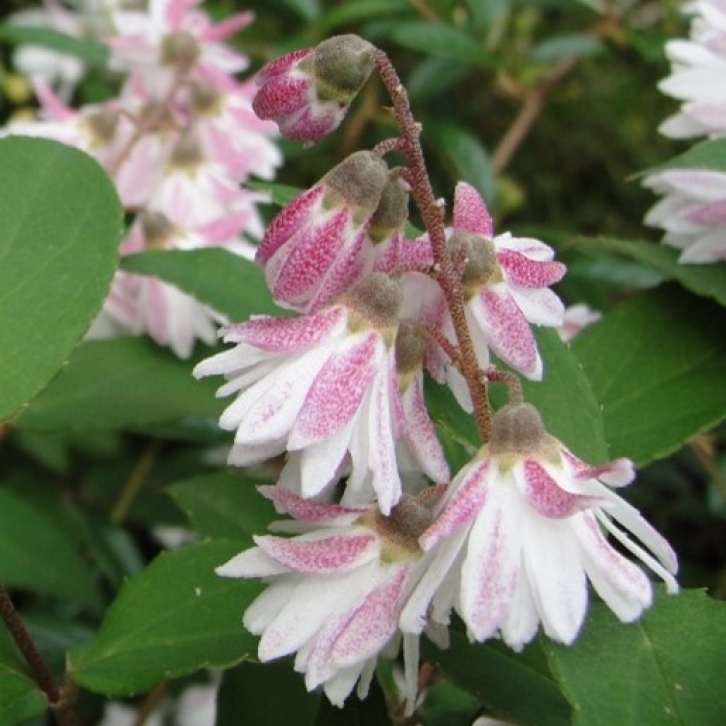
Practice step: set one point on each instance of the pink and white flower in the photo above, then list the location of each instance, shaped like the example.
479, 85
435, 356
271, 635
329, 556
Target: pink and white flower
520, 532
505, 281
307, 92
698, 75
336, 591
577, 317
317, 247
319, 387
692, 212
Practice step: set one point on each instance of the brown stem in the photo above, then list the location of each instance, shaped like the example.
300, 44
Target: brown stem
135, 481
432, 215
38, 667
151, 701
534, 103
511, 380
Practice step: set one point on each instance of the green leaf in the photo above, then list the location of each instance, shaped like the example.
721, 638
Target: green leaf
120, 383
224, 505
61, 225
710, 155
440, 39
91, 53
513, 686
708, 280
657, 364
357, 10
571, 45
250, 694
307, 10
172, 619
226, 282
29, 541
20, 698
280, 194
666, 669
462, 150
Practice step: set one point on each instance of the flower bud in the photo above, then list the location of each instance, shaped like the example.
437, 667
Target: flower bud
517, 428
307, 92
391, 213
482, 267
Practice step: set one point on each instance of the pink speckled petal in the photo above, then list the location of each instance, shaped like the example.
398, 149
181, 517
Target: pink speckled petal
321, 553
520, 624
305, 510
539, 306
313, 122
282, 96
523, 271
469, 494
470, 212
288, 335
289, 220
338, 390
616, 473
546, 497
492, 566
251, 563
506, 330
622, 585
420, 433
281, 65
531, 248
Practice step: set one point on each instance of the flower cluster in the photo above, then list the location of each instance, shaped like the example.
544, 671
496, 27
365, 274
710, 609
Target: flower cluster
178, 140
693, 209
383, 547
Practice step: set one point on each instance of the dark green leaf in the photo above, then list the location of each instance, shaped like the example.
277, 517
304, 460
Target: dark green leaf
657, 364
226, 282
666, 669
358, 10
308, 10
515, 687
94, 54
574, 45
433, 76
440, 39
120, 383
280, 194
709, 155
709, 280
172, 619
61, 224
20, 698
463, 151
29, 542
224, 505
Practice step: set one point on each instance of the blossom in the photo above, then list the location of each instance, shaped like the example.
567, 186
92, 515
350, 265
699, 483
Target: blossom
698, 75
505, 284
318, 386
307, 92
692, 212
336, 590
317, 246
521, 531
576, 318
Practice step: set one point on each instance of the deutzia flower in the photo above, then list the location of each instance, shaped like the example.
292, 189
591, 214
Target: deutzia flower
336, 591
520, 532
692, 212
307, 92
320, 387
317, 246
576, 318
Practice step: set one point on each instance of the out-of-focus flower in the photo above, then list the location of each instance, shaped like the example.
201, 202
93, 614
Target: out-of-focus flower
692, 212
336, 591
307, 92
320, 387
698, 75
317, 247
521, 531
576, 318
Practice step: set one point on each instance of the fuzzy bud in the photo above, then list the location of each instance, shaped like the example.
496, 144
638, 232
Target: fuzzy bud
517, 428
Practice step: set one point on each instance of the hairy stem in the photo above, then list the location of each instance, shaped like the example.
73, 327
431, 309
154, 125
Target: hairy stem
432, 214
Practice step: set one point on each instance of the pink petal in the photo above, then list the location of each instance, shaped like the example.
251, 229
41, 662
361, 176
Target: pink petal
530, 273
281, 65
469, 495
324, 556
282, 96
305, 510
470, 212
506, 330
337, 392
546, 497
287, 222
226, 28
286, 335
617, 473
